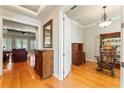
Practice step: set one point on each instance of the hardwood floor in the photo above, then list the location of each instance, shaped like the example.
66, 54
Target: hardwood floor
84, 76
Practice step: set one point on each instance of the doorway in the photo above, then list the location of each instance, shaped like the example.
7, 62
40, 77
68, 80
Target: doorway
17, 36
91, 49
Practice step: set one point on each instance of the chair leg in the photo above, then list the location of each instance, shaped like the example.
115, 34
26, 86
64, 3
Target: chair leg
99, 68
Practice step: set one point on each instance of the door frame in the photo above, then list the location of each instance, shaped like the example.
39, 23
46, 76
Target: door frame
122, 49
67, 54
38, 37
1, 46
62, 11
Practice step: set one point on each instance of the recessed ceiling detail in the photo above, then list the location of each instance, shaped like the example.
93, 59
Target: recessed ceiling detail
34, 11
33, 8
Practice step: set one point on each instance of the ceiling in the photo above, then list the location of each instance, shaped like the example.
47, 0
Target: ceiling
89, 14
35, 11
33, 8
83, 14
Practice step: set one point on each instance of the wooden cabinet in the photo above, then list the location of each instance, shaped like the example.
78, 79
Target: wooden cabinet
44, 63
78, 56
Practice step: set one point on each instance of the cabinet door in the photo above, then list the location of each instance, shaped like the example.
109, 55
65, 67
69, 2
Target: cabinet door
80, 58
47, 64
36, 61
40, 63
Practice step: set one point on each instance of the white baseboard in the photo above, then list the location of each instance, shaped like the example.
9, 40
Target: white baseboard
1, 71
92, 60
56, 75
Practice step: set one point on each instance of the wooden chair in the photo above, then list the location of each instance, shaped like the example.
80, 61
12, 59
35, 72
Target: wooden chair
107, 59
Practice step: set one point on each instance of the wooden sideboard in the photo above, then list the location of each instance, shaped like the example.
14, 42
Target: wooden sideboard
44, 63
78, 56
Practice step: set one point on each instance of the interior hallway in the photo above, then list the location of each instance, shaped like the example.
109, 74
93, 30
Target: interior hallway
82, 76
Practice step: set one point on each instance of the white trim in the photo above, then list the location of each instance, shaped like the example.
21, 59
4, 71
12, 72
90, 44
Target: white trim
90, 25
60, 45
41, 9
61, 62
122, 49
13, 16
56, 75
116, 18
24, 9
77, 23
33, 31
1, 47
17, 18
93, 24
19, 21
91, 60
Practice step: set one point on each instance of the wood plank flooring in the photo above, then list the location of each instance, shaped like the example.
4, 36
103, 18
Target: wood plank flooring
84, 76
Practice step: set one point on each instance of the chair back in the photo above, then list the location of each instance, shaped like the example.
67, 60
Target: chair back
108, 55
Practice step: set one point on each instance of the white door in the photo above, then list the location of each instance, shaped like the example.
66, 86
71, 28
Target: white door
67, 46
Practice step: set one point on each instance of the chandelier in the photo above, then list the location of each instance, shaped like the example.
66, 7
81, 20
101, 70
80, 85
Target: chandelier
104, 20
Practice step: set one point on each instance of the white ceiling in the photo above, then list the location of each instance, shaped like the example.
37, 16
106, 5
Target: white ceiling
83, 14
89, 14
33, 8
34, 11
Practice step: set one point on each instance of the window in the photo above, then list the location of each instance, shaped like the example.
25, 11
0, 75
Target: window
7, 43
18, 43
4, 44
22, 43
25, 44
32, 44
15, 39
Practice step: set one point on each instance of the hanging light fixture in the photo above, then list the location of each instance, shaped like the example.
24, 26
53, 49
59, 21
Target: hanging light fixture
104, 20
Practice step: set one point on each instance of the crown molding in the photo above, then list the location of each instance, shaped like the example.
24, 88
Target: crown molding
41, 9
90, 25
93, 24
77, 23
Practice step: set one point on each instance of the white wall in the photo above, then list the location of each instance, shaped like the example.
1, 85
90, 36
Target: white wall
54, 14
76, 33
92, 39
